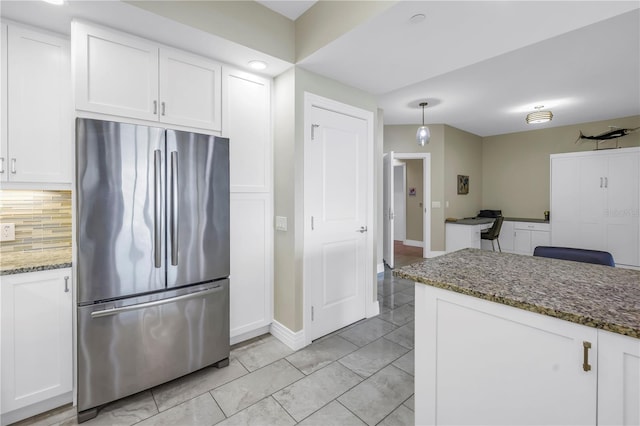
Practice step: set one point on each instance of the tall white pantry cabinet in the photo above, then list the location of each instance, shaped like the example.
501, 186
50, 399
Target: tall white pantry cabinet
121, 77
595, 202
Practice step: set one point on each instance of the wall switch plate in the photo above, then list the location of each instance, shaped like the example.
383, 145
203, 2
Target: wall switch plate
7, 232
281, 223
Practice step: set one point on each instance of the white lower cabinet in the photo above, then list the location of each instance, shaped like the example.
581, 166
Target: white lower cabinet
37, 344
488, 363
618, 379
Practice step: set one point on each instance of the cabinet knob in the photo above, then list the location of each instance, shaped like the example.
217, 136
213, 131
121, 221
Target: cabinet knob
13, 166
66, 284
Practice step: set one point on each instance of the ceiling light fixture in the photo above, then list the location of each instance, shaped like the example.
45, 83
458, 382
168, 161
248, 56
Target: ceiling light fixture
56, 2
423, 135
539, 116
258, 65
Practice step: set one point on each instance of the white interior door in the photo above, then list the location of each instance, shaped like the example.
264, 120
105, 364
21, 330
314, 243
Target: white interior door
388, 225
336, 219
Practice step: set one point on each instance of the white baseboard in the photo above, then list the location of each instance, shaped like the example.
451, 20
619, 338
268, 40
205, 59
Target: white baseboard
374, 309
380, 268
294, 339
250, 334
413, 243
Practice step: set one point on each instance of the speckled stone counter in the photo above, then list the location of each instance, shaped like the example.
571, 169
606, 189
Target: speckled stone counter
593, 295
21, 262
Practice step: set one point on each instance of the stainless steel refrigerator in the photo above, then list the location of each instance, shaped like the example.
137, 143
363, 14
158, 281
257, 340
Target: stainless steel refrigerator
153, 257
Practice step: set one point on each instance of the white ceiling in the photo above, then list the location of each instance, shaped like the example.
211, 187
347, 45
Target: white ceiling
481, 65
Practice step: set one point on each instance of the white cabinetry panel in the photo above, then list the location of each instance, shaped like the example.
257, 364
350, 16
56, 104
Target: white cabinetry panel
36, 339
602, 214
115, 74
247, 124
37, 146
251, 262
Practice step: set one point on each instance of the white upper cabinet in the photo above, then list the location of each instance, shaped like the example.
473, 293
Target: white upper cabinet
36, 140
123, 75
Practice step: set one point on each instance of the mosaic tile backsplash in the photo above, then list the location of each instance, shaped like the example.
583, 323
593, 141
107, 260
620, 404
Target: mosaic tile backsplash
42, 220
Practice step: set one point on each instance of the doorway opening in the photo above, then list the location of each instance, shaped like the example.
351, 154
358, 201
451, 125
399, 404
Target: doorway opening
407, 197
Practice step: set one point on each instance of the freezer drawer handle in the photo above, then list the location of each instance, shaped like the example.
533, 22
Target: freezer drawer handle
116, 311
157, 210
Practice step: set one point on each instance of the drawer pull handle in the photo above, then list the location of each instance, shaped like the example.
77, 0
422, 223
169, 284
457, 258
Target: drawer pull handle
66, 284
585, 355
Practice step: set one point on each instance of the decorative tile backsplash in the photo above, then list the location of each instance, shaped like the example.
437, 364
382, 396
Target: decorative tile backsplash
42, 220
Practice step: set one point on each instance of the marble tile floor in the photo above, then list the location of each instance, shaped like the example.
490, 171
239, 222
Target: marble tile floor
359, 375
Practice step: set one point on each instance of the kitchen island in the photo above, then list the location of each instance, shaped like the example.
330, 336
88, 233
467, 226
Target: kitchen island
511, 339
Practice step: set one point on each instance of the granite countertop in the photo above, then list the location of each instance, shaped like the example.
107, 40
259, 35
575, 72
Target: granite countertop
522, 219
472, 221
21, 262
593, 295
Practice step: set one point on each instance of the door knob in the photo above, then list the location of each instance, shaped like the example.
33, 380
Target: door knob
362, 229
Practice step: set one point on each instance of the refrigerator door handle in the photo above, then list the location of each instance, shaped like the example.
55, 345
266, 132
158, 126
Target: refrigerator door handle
157, 220
116, 311
174, 208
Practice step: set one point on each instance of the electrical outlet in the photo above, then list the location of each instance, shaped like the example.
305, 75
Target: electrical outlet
281, 223
7, 232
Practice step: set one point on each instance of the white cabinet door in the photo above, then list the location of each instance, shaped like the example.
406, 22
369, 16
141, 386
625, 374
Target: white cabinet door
565, 206
618, 379
115, 73
3, 106
522, 241
251, 244
247, 124
36, 338
539, 238
39, 108
189, 90
488, 363
507, 237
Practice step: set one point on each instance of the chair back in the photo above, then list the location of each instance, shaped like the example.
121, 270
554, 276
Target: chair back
494, 231
577, 255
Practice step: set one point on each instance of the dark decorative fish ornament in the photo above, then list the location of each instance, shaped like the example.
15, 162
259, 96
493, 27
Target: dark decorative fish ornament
606, 136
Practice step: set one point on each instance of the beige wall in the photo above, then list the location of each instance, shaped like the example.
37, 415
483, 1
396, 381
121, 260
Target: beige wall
515, 167
415, 227
325, 21
245, 22
402, 139
462, 156
289, 90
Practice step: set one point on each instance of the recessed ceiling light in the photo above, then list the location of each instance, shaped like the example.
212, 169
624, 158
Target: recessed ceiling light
258, 65
417, 18
56, 2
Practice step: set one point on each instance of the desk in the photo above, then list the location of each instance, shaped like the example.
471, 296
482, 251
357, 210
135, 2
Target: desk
465, 233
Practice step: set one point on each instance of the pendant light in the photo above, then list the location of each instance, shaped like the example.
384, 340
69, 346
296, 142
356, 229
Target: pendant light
423, 135
539, 116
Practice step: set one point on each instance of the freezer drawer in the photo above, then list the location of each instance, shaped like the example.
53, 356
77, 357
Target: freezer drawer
134, 344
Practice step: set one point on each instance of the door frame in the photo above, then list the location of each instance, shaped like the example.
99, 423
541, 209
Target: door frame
371, 306
403, 166
426, 195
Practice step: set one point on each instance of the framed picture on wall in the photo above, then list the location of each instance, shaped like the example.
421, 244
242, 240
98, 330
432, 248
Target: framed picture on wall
463, 184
